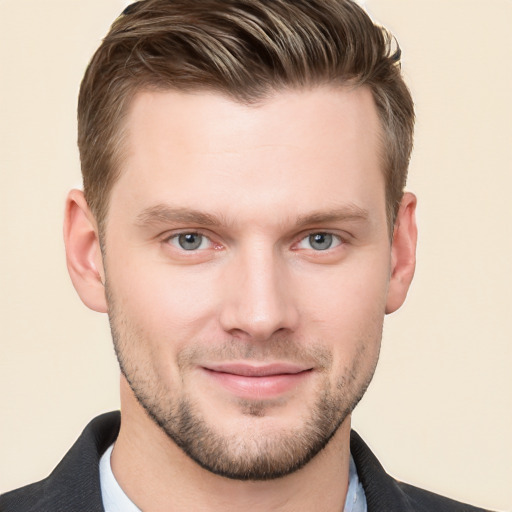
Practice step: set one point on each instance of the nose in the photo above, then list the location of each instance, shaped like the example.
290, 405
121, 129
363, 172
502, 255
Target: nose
258, 299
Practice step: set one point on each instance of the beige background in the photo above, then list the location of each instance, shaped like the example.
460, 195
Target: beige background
439, 412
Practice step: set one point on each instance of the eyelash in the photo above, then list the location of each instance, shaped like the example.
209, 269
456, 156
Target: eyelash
336, 239
176, 237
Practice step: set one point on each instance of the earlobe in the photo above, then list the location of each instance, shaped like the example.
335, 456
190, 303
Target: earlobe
403, 253
83, 252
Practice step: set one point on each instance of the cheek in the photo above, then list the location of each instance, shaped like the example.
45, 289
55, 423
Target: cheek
161, 301
345, 295
347, 312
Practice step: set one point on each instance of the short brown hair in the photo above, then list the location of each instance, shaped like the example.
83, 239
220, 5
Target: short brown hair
245, 49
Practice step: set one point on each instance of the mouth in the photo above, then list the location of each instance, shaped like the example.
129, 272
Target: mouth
257, 382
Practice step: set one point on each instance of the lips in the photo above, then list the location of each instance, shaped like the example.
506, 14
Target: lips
246, 370
257, 382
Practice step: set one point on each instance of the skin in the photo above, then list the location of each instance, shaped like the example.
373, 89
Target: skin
257, 295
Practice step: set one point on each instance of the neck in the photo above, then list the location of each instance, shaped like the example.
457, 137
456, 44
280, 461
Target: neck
158, 476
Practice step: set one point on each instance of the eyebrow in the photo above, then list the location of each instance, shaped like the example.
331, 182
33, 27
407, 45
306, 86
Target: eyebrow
163, 213
348, 212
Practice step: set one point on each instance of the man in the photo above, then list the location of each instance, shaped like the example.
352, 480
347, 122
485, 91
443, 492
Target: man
245, 226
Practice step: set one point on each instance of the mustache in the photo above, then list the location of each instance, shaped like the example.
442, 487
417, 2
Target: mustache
279, 348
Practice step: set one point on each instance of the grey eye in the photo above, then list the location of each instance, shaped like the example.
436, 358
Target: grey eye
320, 241
190, 241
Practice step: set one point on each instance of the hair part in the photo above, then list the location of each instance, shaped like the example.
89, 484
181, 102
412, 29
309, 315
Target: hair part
247, 50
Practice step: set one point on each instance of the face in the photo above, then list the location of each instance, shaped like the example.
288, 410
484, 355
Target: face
247, 262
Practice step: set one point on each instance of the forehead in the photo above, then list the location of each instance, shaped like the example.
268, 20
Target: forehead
294, 150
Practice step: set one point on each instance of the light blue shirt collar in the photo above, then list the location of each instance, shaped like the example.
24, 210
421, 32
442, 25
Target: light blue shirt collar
356, 498
115, 499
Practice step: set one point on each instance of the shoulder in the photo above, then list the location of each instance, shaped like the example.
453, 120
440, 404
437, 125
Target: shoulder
74, 484
384, 493
423, 500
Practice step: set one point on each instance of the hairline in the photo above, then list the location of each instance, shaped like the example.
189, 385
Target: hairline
255, 100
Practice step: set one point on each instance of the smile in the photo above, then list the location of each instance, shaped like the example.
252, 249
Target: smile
257, 382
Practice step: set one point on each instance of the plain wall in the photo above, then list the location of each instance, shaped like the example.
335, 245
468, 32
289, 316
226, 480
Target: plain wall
439, 412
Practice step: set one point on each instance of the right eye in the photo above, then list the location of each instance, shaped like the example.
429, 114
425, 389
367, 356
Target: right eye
190, 241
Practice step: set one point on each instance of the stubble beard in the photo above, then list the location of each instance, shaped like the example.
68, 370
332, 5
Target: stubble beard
249, 455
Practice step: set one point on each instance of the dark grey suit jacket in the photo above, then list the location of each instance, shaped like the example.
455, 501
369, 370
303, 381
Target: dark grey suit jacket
74, 485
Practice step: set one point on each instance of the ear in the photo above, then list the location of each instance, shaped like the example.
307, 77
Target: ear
83, 253
403, 253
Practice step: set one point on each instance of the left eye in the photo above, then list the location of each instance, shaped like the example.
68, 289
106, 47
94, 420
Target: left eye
190, 241
320, 241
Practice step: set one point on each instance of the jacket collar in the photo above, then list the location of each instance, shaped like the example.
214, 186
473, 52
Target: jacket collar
383, 493
75, 483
